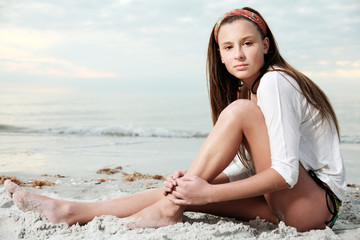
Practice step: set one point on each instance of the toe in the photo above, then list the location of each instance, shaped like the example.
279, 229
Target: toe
10, 187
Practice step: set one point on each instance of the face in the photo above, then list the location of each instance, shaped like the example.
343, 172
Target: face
242, 49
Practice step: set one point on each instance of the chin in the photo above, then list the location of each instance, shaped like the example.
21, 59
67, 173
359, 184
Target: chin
242, 77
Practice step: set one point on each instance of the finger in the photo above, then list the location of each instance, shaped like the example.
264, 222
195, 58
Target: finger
180, 182
172, 199
174, 174
178, 201
178, 174
168, 184
188, 177
167, 190
177, 194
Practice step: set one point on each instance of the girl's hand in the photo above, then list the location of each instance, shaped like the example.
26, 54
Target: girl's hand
191, 190
170, 182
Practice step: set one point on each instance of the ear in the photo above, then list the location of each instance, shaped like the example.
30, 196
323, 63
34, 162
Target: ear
266, 43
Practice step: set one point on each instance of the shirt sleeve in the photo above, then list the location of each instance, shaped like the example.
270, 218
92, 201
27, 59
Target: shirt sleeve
237, 171
280, 103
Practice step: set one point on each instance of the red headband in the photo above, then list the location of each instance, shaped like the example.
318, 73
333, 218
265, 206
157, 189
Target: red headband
240, 12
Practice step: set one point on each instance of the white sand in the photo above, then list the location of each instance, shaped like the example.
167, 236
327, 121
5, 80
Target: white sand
15, 224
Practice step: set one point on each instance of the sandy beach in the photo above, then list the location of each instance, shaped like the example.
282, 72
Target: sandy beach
15, 224
75, 144
88, 85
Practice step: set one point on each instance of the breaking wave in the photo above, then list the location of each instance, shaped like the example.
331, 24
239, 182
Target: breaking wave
116, 131
129, 131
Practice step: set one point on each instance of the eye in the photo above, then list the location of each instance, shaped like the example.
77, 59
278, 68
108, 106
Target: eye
228, 47
248, 43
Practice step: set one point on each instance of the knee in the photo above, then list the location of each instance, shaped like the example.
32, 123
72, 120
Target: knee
241, 109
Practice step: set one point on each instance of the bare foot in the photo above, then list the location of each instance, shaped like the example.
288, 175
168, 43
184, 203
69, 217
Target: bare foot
10, 187
28, 201
160, 214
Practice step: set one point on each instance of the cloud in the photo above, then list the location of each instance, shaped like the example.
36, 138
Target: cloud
29, 39
142, 40
335, 69
21, 50
342, 63
336, 73
323, 62
186, 19
124, 2
37, 90
348, 63
356, 64
51, 66
352, 73
83, 72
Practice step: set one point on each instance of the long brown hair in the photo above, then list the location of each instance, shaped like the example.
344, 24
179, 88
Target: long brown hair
224, 88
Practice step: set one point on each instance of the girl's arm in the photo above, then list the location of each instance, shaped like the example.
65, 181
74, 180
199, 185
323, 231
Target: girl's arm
171, 181
193, 190
221, 178
261, 183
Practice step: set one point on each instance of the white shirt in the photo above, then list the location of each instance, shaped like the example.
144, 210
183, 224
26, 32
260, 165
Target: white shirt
297, 133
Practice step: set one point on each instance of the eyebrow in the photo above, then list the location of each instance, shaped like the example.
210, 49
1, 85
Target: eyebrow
242, 39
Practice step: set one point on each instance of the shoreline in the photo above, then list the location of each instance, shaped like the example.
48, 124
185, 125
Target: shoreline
15, 224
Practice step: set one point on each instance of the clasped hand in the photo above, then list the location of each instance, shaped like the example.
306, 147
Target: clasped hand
185, 189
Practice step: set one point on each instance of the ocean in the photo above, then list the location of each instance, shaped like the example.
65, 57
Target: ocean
77, 134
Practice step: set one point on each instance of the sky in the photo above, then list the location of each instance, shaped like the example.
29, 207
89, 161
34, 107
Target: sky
117, 46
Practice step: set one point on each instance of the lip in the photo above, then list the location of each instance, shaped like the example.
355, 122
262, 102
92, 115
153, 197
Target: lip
241, 66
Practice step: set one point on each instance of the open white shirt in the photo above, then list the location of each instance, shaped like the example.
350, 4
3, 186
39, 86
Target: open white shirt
297, 134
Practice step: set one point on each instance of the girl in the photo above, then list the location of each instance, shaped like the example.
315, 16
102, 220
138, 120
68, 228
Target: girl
284, 126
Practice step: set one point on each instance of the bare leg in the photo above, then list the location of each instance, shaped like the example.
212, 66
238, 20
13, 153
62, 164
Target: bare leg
243, 122
241, 119
27, 201
243, 209
218, 150
57, 211
71, 212
303, 207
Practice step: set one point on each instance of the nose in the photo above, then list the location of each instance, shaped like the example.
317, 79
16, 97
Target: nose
239, 54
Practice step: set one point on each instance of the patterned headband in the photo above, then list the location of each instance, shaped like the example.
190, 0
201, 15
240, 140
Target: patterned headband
240, 12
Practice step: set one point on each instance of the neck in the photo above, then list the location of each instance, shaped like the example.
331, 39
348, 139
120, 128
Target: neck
253, 84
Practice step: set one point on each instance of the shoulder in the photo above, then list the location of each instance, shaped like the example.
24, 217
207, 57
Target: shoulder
277, 88
279, 81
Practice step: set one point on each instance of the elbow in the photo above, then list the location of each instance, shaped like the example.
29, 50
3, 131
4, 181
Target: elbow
284, 185
281, 183
286, 176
